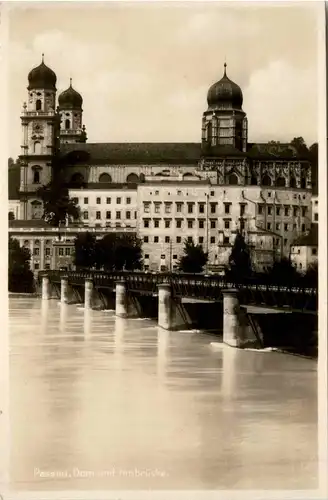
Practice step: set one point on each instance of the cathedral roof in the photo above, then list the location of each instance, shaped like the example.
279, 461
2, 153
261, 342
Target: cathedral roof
225, 93
70, 99
134, 153
42, 77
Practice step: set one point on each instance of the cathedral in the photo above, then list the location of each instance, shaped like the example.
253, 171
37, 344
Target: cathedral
268, 186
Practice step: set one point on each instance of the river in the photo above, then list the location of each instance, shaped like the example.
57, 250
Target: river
99, 402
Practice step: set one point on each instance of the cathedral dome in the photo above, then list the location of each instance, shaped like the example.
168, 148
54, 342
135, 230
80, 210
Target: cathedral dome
225, 93
70, 99
42, 77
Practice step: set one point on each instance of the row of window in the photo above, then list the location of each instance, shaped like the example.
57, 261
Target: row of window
213, 224
61, 251
108, 201
118, 214
286, 211
212, 240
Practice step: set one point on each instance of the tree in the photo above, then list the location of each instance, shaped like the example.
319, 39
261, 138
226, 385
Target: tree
58, 207
283, 272
85, 250
194, 258
300, 146
119, 252
311, 275
240, 262
20, 276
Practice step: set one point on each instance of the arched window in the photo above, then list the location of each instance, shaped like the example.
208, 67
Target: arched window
187, 174
266, 180
38, 105
67, 124
37, 148
36, 209
233, 180
292, 183
132, 178
11, 216
37, 243
281, 182
209, 132
303, 183
105, 178
36, 177
253, 181
77, 178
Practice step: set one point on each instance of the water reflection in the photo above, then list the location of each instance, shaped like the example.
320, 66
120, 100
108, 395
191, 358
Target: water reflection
107, 393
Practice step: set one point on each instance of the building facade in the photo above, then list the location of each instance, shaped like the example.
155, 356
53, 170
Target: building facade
167, 192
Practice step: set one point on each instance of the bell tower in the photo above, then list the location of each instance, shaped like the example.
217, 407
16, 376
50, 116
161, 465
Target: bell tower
39, 128
70, 111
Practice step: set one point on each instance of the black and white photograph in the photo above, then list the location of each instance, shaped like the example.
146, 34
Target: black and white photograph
164, 164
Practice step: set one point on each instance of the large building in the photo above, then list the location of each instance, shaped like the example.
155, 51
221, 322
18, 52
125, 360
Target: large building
166, 192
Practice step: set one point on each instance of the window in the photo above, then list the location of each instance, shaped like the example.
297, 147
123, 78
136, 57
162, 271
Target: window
294, 227
36, 177
281, 182
303, 228
201, 208
135, 214
47, 266
227, 224
201, 239
61, 251
227, 208
178, 224
190, 224
155, 239
286, 227
316, 217
212, 239
85, 215
303, 211
167, 208
163, 256
266, 180
146, 223
36, 266
146, 239
285, 241
213, 208
167, 239
314, 251
242, 209
295, 211
269, 226
47, 252
269, 210
292, 182
316, 202
213, 224
146, 256
189, 239
108, 201
36, 251
157, 208
108, 214
260, 209
226, 240
105, 178
37, 148
286, 211
175, 256
190, 208
132, 178
146, 207
67, 251
118, 201
75, 200
128, 214
212, 193
156, 223
156, 192
179, 207
98, 201
98, 215
167, 224
278, 227
178, 239
233, 180
118, 215
179, 192
38, 105
128, 201
86, 201
278, 210
201, 224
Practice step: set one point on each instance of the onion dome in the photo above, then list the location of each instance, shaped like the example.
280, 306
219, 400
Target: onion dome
225, 93
70, 99
42, 77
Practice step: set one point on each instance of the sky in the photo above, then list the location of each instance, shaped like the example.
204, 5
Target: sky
144, 69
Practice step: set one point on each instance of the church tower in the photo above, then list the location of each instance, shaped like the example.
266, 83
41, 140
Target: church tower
39, 129
224, 122
70, 111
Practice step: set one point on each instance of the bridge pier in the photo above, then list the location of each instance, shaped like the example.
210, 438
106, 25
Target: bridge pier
88, 292
64, 290
232, 319
125, 306
46, 287
171, 313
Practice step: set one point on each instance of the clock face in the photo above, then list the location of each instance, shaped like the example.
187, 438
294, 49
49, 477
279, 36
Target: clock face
37, 127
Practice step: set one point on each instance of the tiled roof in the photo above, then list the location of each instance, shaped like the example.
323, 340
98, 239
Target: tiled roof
127, 152
309, 239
